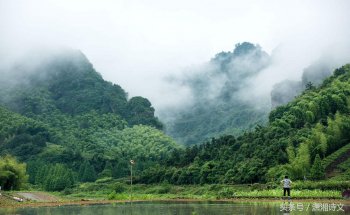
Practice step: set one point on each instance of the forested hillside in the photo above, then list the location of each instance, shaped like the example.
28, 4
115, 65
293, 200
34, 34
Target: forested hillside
68, 124
66, 82
303, 139
217, 104
82, 128
224, 98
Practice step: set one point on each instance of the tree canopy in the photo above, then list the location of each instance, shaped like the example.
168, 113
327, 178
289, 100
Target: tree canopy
12, 173
297, 138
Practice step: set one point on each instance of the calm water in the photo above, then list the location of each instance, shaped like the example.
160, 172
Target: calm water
187, 208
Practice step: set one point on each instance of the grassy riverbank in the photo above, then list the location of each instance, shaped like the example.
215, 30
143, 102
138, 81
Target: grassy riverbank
117, 190
204, 192
114, 191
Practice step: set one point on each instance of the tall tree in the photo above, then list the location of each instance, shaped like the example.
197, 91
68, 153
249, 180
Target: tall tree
87, 172
317, 170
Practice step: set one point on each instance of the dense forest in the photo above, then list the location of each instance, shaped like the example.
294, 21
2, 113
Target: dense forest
64, 125
307, 138
66, 82
69, 125
224, 99
217, 105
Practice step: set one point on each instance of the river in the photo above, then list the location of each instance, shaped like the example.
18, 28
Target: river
187, 208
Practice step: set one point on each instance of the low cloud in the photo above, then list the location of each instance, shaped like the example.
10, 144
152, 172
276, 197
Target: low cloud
139, 45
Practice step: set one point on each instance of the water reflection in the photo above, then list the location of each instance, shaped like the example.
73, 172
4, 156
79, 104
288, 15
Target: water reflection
185, 208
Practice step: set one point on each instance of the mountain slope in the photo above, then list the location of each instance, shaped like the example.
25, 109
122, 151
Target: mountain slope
21, 136
298, 135
217, 90
66, 81
60, 117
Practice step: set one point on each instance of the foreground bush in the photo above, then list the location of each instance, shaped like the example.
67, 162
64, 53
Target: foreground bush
12, 173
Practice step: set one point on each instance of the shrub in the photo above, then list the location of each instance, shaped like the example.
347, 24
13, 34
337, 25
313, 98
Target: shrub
67, 191
12, 173
89, 186
112, 195
257, 186
271, 185
104, 180
331, 158
163, 189
226, 193
215, 187
119, 187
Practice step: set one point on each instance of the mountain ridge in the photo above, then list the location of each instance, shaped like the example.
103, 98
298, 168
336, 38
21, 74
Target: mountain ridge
299, 136
69, 125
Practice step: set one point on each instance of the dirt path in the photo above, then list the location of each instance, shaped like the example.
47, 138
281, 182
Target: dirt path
38, 196
4, 201
331, 170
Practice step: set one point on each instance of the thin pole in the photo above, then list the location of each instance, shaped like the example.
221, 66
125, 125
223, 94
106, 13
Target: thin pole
131, 182
132, 162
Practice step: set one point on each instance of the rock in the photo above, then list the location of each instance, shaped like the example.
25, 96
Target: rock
346, 194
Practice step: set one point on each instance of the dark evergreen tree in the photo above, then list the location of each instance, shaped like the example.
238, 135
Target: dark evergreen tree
87, 172
107, 171
317, 170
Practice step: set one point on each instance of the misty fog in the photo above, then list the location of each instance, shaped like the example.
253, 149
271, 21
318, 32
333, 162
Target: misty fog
149, 48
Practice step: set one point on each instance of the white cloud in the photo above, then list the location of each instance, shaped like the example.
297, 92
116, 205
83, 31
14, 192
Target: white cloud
138, 43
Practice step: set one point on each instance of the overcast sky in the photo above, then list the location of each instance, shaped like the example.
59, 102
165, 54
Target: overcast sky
136, 44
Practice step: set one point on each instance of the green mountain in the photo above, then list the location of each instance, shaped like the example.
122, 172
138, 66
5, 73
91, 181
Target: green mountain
67, 82
68, 124
307, 138
217, 97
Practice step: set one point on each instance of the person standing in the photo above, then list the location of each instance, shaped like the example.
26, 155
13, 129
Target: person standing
287, 183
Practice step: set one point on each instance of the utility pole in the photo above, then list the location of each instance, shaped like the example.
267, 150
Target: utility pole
132, 162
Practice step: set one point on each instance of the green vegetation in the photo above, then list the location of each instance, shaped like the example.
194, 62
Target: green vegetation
21, 136
12, 173
332, 157
217, 107
106, 190
321, 185
345, 165
66, 83
317, 169
314, 125
298, 194
84, 147
54, 177
71, 126
77, 134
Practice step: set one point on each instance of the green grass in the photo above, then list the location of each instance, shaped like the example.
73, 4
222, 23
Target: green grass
300, 194
321, 185
343, 176
345, 165
332, 157
302, 190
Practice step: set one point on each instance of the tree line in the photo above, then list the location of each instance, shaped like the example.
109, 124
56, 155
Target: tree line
298, 136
